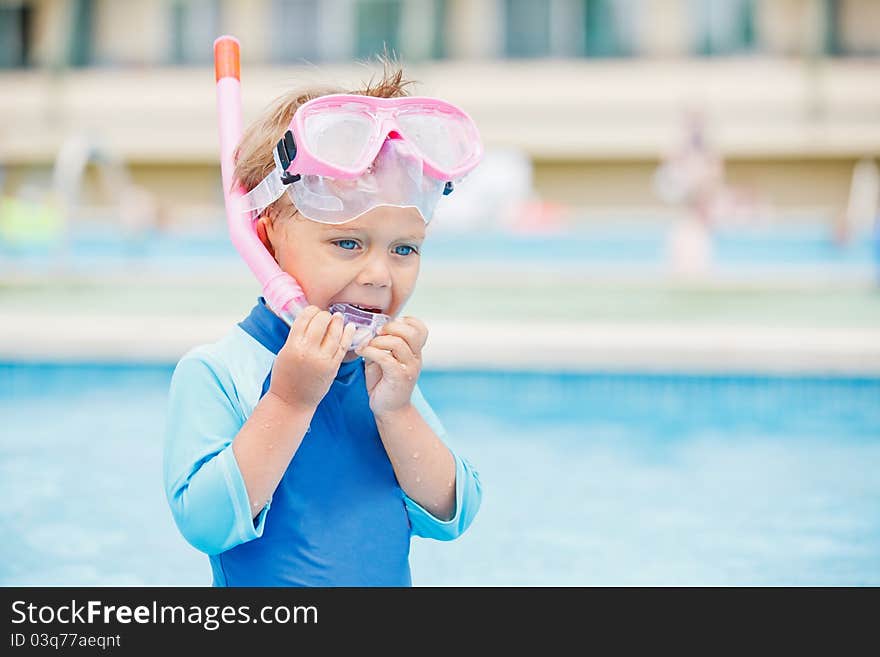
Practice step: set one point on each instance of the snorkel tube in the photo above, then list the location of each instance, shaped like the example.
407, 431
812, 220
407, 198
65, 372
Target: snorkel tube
283, 294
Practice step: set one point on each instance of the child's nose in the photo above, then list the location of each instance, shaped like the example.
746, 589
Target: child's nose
375, 272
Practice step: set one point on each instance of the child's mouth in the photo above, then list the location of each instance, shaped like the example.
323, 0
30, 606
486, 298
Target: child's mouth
374, 311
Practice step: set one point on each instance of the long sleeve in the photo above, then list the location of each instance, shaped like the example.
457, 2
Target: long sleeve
468, 489
203, 483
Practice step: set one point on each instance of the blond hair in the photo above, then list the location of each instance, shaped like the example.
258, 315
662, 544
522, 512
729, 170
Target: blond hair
254, 154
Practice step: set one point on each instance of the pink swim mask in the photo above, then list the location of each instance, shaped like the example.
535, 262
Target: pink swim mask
346, 154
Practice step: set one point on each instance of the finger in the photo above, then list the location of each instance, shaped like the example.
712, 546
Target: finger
396, 345
348, 335
419, 325
421, 330
405, 330
345, 340
318, 327
334, 332
383, 358
302, 320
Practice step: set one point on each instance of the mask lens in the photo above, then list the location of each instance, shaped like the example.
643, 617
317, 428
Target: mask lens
442, 138
339, 137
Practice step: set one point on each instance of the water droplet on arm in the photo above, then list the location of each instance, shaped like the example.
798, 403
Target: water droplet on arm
415, 455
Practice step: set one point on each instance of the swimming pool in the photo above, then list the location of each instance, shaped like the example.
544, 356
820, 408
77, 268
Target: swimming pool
590, 479
623, 245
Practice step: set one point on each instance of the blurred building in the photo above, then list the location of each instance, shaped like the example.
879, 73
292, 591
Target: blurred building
593, 91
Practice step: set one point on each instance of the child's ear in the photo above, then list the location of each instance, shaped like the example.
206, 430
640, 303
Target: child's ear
263, 226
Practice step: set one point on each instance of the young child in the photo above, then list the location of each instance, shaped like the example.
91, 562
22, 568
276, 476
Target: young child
291, 459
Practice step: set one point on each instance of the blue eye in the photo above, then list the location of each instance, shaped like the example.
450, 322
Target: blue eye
342, 243
404, 246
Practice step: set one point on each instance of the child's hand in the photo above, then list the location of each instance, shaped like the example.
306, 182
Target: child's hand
310, 358
393, 364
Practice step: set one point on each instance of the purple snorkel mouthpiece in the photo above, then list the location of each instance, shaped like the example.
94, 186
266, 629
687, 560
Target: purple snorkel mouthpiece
367, 323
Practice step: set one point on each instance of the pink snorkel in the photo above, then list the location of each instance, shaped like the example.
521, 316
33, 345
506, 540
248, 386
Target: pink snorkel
282, 293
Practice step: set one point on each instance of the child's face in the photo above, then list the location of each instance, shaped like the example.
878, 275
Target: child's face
371, 262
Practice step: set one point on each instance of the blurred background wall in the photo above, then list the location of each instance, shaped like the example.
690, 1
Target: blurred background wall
592, 93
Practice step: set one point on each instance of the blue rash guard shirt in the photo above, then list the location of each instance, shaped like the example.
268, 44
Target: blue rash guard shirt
337, 518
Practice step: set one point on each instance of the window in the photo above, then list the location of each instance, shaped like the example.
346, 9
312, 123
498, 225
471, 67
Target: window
527, 28
378, 27
438, 32
831, 23
609, 28
851, 27
194, 26
569, 28
422, 29
14, 35
81, 33
723, 27
296, 31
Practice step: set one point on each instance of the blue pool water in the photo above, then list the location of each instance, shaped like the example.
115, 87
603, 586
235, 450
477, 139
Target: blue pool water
623, 245
593, 479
